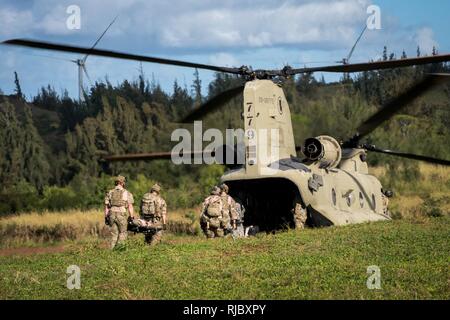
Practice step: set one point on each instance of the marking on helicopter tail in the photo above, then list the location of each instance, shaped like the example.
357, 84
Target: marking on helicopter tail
251, 151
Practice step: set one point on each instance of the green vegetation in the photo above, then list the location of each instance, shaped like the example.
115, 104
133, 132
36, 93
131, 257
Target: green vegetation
44, 228
52, 186
311, 264
420, 191
51, 145
428, 195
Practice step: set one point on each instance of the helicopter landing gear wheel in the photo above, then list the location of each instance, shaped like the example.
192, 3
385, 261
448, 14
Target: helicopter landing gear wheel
299, 216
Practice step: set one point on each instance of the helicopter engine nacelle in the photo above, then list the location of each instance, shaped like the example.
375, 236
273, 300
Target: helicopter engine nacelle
324, 149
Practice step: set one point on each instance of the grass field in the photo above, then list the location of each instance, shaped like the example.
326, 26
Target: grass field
43, 229
412, 252
312, 264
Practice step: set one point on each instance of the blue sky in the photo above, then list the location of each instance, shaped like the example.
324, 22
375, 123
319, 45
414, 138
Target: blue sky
264, 34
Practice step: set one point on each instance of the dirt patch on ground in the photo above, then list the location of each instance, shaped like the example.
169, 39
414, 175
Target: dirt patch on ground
27, 251
57, 248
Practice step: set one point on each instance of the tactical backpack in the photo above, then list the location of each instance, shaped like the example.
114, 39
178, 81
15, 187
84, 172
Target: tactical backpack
214, 208
226, 202
117, 198
149, 206
214, 223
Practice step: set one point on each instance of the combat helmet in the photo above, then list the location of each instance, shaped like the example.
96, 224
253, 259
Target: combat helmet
156, 187
215, 190
120, 179
224, 187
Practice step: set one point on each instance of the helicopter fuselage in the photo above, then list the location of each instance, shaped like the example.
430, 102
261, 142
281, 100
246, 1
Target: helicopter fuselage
334, 189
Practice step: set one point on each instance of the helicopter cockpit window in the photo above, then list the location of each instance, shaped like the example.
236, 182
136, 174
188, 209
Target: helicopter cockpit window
280, 106
349, 200
361, 200
333, 196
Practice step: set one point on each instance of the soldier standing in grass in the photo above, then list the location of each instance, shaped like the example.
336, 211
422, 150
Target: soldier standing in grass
154, 211
117, 202
211, 216
229, 217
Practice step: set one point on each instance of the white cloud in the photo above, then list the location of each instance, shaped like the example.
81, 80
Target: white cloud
425, 40
260, 33
224, 59
54, 22
14, 22
288, 24
202, 24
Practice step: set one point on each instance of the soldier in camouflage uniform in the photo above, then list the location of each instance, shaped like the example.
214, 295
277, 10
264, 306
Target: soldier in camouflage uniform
117, 202
300, 216
154, 211
212, 217
229, 209
238, 223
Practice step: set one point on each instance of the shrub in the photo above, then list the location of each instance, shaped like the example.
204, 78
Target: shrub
56, 198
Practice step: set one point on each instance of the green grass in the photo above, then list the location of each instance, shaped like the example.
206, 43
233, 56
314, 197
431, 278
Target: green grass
311, 264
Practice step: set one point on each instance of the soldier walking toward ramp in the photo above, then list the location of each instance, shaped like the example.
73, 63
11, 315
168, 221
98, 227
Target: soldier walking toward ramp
117, 202
211, 217
229, 209
154, 211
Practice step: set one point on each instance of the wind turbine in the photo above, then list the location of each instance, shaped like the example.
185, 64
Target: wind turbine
81, 63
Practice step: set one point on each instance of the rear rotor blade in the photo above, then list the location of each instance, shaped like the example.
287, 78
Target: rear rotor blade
395, 105
376, 65
145, 156
408, 155
115, 54
213, 104
221, 151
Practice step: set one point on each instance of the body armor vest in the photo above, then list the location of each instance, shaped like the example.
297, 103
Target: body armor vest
117, 198
149, 206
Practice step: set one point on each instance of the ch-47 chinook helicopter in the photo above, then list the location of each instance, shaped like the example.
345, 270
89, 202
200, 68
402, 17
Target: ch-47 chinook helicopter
330, 183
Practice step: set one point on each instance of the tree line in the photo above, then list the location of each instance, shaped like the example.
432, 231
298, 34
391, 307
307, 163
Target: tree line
51, 145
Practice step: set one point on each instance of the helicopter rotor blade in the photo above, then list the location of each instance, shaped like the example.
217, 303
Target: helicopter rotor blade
395, 105
213, 104
148, 156
138, 156
372, 148
376, 65
222, 154
115, 54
